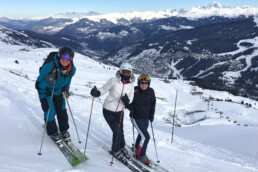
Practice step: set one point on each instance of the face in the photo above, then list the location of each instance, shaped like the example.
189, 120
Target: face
65, 62
144, 85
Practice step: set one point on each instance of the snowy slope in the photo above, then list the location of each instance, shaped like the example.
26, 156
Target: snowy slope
212, 144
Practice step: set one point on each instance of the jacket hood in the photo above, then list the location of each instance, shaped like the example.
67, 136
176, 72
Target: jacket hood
131, 80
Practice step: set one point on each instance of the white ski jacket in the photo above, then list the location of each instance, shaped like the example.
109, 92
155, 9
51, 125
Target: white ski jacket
116, 90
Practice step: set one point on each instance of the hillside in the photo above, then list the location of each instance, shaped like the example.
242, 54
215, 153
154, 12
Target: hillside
204, 142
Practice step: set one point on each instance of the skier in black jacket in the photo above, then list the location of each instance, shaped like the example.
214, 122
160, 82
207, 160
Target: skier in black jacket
142, 110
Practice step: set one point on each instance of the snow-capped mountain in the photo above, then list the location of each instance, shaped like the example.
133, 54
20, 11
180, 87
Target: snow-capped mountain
212, 5
56, 23
195, 42
13, 37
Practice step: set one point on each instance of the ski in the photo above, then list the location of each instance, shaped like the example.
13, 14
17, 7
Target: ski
126, 163
139, 166
76, 151
153, 165
67, 153
70, 151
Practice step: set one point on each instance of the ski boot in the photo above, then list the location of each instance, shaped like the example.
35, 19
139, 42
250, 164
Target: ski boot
66, 136
145, 160
56, 137
125, 153
119, 155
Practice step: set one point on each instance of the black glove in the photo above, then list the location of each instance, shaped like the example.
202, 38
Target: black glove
65, 92
151, 118
53, 76
49, 91
125, 100
37, 85
95, 92
131, 114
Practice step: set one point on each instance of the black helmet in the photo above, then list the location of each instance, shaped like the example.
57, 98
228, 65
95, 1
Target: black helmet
66, 50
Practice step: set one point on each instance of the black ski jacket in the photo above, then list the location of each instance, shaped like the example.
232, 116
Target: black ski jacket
143, 105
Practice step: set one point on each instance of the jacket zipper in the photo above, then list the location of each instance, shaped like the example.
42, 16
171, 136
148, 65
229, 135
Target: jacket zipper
120, 96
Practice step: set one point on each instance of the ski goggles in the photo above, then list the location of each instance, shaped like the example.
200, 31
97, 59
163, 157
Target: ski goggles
144, 77
126, 72
66, 57
144, 83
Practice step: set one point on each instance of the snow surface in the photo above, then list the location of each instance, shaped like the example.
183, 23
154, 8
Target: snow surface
211, 144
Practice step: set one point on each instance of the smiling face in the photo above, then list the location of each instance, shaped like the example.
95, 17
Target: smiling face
65, 62
144, 85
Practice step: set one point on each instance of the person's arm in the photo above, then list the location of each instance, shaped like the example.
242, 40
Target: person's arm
153, 105
41, 82
105, 88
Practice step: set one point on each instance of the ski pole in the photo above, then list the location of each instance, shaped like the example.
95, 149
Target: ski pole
132, 120
88, 126
174, 118
120, 120
155, 143
47, 118
73, 121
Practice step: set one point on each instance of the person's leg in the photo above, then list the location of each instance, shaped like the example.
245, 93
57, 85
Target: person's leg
61, 113
147, 137
144, 136
112, 120
138, 139
51, 123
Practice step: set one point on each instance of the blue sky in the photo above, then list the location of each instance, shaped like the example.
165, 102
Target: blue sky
37, 8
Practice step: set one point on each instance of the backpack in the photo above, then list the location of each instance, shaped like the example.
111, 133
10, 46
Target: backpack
50, 58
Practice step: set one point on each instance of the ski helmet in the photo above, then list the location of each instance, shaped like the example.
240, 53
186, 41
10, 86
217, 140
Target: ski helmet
126, 67
66, 50
144, 77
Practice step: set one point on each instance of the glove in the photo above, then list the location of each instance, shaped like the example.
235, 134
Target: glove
125, 100
65, 92
151, 118
37, 85
131, 114
53, 76
95, 92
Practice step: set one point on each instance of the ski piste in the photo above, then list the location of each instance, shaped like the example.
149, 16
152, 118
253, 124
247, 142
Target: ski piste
153, 165
70, 151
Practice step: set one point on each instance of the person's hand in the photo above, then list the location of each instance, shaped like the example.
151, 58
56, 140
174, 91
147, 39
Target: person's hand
151, 118
131, 114
65, 92
53, 76
95, 92
125, 100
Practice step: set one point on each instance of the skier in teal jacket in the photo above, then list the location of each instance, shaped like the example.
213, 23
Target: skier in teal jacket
56, 72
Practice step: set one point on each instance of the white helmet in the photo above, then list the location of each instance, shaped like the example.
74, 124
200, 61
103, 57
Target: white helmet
126, 66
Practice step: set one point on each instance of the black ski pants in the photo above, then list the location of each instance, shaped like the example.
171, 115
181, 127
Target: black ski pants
58, 109
113, 120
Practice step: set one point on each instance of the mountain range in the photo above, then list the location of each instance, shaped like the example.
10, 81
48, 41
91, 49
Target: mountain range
211, 44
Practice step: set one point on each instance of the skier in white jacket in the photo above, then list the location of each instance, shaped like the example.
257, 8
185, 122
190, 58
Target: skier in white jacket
121, 92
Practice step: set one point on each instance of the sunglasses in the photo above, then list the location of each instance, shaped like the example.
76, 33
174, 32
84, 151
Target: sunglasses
144, 83
66, 57
144, 77
126, 72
